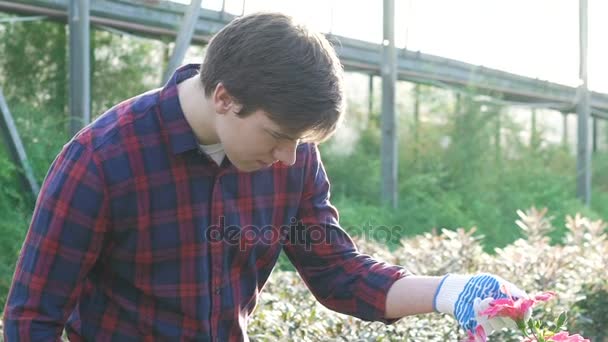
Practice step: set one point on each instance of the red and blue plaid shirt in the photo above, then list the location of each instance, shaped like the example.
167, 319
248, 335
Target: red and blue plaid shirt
136, 235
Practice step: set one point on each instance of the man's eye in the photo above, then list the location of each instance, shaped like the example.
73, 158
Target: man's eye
277, 136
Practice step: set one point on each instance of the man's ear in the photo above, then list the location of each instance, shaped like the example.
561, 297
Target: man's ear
223, 102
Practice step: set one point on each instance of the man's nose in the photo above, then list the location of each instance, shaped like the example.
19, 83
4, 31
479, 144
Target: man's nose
286, 153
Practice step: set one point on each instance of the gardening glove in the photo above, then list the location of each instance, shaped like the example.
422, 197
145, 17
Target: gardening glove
465, 296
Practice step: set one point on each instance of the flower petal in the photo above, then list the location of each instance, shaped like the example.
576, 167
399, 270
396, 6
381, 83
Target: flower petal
544, 296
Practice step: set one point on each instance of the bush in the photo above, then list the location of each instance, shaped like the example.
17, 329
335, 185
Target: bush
287, 311
463, 184
591, 312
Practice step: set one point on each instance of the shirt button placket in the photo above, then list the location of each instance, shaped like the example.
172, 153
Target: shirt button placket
216, 256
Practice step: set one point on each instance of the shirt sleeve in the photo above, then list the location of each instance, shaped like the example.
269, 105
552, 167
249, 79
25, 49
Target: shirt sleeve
63, 242
338, 275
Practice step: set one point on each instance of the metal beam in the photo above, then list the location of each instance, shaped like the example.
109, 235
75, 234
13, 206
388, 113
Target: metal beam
583, 155
428, 69
15, 147
13, 20
162, 19
80, 66
389, 122
153, 21
183, 38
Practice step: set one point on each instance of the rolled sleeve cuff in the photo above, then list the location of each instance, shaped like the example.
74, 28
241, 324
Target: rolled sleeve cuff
379, 311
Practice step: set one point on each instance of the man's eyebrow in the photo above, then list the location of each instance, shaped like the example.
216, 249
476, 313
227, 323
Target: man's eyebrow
281, 135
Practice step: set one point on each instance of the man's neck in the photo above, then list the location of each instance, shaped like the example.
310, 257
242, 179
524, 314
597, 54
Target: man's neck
198, 110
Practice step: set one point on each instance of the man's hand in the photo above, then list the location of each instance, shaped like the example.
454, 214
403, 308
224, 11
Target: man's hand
464, 296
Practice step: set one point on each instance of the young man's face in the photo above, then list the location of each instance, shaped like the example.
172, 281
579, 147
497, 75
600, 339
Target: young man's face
254, 142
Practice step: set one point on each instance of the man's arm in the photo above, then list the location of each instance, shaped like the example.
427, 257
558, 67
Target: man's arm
411, 296
63, 242
338, 275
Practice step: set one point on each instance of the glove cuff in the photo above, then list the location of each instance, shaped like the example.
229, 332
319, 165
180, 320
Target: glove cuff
450, 287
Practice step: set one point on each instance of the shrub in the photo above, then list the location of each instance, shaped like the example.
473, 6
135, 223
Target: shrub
287, 311
591, 312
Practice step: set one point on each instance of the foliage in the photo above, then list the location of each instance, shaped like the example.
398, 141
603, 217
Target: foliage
34, 67
592, 310
123, 67
287, 311
14, 209
34, 71
453, 173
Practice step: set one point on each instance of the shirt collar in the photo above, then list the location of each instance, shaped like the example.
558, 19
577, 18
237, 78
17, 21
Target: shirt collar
181, 136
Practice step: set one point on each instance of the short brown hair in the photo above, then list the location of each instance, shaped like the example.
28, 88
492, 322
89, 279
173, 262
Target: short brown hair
268, 62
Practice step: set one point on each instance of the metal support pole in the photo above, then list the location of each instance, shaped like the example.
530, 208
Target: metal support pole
389, 122
15, 147
594, 144
416, 119
603, 132
565, 129
80, 77
498, 138
370, 98
533, 133
183, 38
583, 160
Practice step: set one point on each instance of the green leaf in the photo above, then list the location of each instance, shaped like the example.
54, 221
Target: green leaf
531, 324
521, 324
560, 321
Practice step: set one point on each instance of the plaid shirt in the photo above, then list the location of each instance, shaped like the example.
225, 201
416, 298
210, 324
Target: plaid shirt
136, 235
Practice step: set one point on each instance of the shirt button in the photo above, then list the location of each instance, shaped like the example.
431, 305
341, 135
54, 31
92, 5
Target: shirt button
217, 292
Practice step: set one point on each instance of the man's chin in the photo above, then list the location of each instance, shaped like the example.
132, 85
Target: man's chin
248, 167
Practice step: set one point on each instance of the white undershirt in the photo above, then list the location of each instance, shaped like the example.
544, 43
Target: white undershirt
215, 151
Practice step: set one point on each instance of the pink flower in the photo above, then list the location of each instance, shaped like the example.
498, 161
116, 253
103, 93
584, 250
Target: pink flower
478, 336
565, 337
544, 296
506, 307
514, 309
517, 310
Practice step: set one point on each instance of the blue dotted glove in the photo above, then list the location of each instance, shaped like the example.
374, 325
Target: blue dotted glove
465, 296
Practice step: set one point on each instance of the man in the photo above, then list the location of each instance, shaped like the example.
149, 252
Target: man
163, 219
